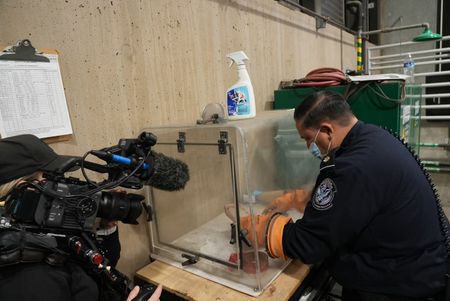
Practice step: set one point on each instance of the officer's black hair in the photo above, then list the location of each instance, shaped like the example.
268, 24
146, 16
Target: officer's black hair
323, 105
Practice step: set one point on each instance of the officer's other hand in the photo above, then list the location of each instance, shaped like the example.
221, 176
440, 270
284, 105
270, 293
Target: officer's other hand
268, 232
260, 223
296, 199
154, 297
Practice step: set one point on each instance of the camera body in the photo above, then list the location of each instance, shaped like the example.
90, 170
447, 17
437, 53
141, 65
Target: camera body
72, 211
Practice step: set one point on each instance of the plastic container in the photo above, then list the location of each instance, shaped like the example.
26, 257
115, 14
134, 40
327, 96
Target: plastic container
233, 172
408, 68
240, 96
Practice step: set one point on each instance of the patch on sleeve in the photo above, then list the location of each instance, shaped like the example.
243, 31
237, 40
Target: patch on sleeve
324, 195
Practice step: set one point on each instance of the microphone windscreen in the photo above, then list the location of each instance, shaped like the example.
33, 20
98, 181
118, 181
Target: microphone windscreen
167, 173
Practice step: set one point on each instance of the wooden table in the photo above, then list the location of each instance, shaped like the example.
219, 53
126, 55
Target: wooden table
192, 287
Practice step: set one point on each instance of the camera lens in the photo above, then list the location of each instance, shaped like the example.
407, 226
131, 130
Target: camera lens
120, 206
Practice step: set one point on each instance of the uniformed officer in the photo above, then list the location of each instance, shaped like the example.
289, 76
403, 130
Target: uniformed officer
372, 217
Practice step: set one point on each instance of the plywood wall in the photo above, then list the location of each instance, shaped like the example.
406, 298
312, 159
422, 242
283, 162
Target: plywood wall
127, 65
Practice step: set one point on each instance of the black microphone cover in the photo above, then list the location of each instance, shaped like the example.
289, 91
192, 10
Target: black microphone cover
166, 173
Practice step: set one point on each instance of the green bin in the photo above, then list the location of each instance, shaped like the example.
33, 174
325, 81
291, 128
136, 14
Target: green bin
391, 105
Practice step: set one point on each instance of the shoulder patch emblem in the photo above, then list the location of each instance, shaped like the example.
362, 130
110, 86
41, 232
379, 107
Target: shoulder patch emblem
324, 195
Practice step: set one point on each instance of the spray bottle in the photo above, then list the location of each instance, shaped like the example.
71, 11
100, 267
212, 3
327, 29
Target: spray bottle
240, 96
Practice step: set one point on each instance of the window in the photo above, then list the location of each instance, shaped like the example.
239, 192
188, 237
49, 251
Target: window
341, 13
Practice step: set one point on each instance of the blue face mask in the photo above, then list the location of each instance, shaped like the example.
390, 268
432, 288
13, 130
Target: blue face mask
314, 149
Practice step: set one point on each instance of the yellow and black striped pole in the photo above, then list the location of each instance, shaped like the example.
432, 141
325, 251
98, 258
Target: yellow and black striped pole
359, 66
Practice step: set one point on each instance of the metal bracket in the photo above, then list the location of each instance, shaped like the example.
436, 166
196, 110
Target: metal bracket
223, 142
320, 23
233, 234
191, 259
181, 141
243, 237
148, 209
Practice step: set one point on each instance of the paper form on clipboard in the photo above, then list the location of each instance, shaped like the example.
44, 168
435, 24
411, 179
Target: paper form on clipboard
32, 99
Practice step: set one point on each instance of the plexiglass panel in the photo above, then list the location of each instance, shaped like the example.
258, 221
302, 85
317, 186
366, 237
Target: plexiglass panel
193, 220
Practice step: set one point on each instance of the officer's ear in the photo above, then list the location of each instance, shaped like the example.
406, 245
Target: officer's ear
327, 128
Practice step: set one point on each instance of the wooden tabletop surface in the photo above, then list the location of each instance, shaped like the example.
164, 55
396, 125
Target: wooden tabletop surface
193, 287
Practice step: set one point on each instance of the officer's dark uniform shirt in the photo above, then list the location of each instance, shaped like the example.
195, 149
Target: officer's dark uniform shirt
373, 218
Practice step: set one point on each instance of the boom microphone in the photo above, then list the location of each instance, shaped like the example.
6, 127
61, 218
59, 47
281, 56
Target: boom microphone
158, 171
165, 173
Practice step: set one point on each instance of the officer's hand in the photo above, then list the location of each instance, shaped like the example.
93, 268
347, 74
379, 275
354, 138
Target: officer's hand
154, 297
267, 231
260, 223
296, 199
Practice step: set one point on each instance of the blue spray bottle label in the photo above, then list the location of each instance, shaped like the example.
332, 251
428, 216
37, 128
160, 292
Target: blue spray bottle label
238, 101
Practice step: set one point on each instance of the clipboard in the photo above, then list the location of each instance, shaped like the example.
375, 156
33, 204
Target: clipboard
52, 106
23, 51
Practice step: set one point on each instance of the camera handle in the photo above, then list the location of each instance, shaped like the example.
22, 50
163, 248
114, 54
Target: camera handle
85, 250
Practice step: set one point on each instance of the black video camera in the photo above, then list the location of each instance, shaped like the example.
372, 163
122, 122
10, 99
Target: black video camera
63, 204
66, 208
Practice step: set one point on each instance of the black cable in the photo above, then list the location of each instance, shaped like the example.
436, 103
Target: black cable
353, 89
116, 183
108, 185
384, 96
83, 171
89, 241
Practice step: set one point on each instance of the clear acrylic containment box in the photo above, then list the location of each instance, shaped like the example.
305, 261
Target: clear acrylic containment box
236, 169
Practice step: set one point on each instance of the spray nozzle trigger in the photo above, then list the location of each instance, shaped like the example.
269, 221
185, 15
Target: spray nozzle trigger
237, 57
